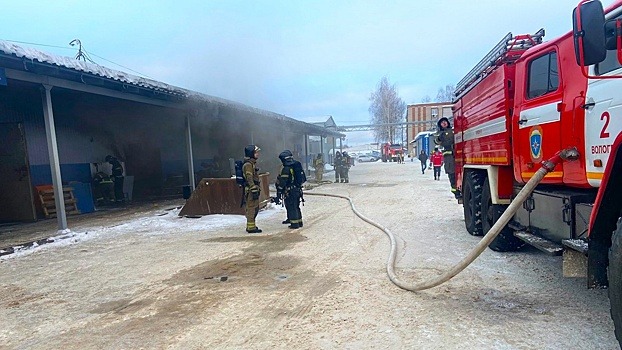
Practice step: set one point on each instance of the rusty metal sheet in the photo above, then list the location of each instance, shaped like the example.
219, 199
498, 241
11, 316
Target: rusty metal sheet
221, 196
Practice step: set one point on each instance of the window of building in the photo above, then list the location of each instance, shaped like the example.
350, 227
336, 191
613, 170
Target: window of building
543, 75
434, 112
447, 112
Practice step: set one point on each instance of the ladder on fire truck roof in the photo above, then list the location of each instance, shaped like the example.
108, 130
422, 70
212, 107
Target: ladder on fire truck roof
509, 49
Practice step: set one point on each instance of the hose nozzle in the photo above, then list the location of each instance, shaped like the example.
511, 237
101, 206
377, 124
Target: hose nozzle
567, 154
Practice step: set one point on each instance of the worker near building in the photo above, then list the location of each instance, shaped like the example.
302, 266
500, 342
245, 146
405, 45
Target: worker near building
436, 161
338, 165
251, 187
289, 185
345, 169
423, 158
103, 188
445, 138
318, 164
117, 177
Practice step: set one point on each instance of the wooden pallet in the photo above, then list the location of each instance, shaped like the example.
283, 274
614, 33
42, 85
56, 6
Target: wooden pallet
48, 202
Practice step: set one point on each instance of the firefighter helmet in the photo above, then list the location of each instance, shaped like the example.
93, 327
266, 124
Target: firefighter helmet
249, 151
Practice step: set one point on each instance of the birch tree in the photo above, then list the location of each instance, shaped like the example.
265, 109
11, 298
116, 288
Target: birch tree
386, 107
445, 94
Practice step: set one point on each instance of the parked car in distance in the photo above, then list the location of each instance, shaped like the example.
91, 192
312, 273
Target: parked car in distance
367, 158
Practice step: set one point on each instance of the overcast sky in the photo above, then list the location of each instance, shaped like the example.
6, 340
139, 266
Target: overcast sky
304, 59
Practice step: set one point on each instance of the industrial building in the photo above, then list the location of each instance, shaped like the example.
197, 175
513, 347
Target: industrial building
425, 115
60, 118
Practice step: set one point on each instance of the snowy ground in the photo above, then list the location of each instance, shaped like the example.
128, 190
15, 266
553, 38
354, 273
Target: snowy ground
158, 281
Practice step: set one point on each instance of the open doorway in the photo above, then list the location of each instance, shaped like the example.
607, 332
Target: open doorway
16, 198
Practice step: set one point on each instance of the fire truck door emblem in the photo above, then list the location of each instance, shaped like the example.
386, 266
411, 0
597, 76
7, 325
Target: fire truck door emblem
535, 144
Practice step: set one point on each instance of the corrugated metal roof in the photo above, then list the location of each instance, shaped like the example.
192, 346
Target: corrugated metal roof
87, 67
31, 54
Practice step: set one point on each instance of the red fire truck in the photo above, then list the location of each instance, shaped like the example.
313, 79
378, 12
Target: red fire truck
521, 104
391, 152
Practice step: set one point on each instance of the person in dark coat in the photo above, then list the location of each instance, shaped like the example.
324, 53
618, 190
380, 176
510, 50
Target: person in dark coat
445, 138
423, 158
338, 165
117, 177
289, 186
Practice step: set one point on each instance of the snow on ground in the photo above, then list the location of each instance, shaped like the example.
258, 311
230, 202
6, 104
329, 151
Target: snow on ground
154, 223
163, 282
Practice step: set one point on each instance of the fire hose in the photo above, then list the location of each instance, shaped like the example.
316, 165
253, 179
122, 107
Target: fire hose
547, 166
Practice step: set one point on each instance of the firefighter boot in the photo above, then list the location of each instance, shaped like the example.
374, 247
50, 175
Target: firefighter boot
254, 230
294, 226
285, 222
347, 181
457, 193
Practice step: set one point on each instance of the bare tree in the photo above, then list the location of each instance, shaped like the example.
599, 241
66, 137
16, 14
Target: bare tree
386, 107
426, 99
445, 94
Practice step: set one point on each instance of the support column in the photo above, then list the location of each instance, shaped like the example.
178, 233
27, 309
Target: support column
322, 146
189, 152
340, 145
50, 132
307, 153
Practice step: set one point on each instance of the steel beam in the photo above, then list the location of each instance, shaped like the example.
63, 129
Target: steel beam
189, 152
367, 127
307, 153
70, 85
50, 132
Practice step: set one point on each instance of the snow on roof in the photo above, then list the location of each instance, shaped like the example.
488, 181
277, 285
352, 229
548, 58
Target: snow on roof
87, 67
95, 69
422, 134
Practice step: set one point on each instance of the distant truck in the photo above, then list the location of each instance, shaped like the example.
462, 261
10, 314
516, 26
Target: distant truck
391, 152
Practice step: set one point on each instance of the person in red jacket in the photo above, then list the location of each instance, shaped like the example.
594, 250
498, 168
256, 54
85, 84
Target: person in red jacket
437, 162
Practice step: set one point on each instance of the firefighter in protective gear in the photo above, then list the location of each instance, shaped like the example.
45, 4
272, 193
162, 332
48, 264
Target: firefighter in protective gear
345, 169
103, 188
289, 186
117, 177
318, 164
445, 138
338, 165
251, 187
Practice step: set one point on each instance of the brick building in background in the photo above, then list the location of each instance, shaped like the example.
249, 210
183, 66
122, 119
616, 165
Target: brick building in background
425, 112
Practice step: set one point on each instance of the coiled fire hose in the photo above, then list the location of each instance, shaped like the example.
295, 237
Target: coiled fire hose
547, 166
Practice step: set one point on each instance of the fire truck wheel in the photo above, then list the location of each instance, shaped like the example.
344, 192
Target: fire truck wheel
472, 202
614, 273
505, 241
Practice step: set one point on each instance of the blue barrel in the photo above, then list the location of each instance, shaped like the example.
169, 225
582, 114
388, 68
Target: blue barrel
186, 191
